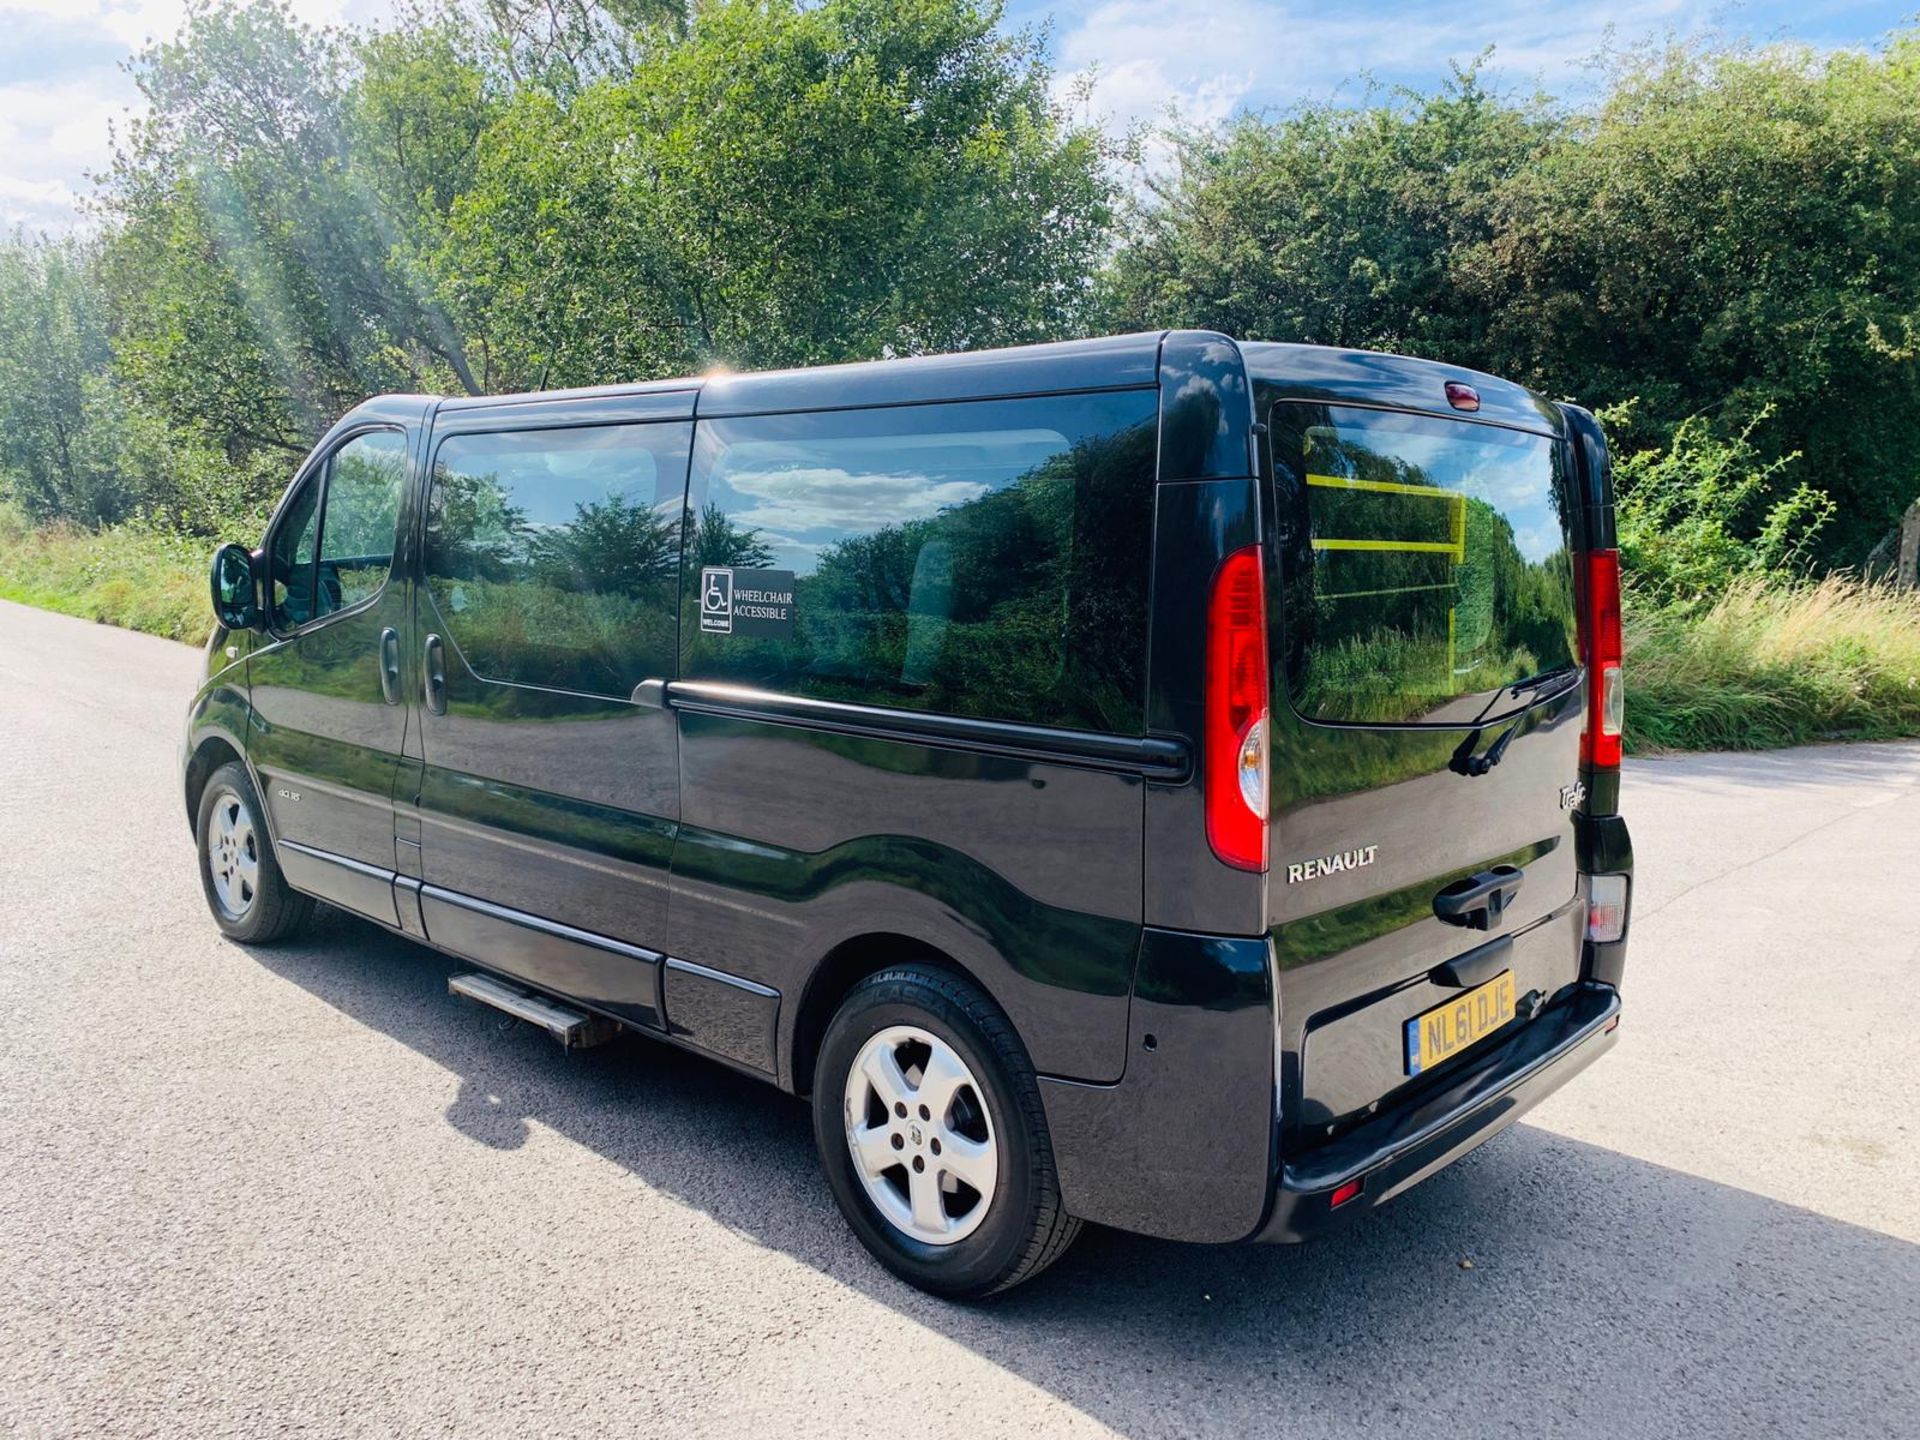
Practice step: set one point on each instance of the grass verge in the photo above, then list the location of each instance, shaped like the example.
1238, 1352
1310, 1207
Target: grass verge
127, 576
1772, 664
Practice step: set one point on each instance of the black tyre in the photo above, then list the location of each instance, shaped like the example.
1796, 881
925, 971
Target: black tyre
250, 899
929, 1125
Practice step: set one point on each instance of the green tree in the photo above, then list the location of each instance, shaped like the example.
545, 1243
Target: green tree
1705, 511
260, 285
55, 458
1727, 233
615, 545
785, 186
1736, 233
1331, 224
715, 540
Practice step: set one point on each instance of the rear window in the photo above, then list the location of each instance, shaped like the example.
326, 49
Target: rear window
1427, 564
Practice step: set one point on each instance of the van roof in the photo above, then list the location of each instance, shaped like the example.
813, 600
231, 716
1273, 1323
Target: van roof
1112, 362
1399, 382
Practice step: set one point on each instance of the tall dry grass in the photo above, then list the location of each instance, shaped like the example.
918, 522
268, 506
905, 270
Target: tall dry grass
1772, 663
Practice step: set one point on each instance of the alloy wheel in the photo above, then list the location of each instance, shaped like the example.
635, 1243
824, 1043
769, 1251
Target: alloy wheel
918, 1130
233, 855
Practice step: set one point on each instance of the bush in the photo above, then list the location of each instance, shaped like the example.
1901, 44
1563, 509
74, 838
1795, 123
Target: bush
1709, 508
130, 576
1770, 664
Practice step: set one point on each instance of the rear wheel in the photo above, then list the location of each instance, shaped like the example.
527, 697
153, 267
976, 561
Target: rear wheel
250, 899
930, 1127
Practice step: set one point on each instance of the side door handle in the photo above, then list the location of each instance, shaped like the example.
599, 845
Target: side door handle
436, 668
1478, 901
390, 665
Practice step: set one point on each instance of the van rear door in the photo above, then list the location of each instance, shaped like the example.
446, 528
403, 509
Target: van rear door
1424, 893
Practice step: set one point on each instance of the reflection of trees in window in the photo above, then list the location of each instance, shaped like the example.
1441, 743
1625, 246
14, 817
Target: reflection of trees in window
362, 514
291, 564
715, 540
614, 546
475, 530
363, 497
1025, 603
584, 605
1417, 598
360, 487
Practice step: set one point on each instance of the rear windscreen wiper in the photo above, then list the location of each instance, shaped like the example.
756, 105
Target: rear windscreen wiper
1465, 762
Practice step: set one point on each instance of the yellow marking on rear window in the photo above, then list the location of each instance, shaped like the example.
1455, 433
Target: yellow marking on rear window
1422, 547
1456, 500
1390, 487
1456, 548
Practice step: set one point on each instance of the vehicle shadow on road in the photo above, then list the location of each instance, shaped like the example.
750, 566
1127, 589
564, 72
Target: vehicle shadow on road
1541, 1286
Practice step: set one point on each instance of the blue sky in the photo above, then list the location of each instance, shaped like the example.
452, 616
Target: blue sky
1212, 57
61, 85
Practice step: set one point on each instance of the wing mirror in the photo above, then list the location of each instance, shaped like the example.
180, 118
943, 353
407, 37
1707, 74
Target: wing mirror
235, 596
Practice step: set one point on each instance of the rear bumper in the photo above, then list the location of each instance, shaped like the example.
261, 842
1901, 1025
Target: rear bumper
1185, 1146
1396, 1151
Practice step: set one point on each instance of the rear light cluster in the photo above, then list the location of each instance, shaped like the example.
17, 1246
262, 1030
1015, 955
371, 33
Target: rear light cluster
1606, 908
1602, 647
1235, 771
1605, 649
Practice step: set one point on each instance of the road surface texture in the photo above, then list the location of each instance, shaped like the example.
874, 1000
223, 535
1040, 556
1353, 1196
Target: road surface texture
303, 1191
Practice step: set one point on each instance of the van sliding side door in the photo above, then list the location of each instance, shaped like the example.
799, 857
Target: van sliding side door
545, 625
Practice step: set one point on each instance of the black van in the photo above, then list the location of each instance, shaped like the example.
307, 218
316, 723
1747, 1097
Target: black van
1153, 780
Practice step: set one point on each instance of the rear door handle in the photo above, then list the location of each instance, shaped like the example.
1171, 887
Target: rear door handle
436, 676
1478, 901
390, 665
1477, 966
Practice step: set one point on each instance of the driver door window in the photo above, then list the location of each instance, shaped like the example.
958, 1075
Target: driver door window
352, 509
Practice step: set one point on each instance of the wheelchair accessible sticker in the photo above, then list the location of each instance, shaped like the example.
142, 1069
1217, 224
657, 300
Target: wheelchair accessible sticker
754, 603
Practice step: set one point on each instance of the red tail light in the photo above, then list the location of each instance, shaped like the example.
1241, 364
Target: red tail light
1604, 649
1235, 769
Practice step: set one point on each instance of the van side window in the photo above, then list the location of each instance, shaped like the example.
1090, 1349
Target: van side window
553, 556
351, 508
987, 558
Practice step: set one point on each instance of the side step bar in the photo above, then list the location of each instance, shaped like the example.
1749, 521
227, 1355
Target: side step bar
572, 1028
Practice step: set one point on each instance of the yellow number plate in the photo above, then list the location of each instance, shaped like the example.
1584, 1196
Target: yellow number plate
1466, 1020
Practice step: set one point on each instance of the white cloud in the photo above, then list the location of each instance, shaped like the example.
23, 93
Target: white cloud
62, 88
822, 498
1148, 57
36, 204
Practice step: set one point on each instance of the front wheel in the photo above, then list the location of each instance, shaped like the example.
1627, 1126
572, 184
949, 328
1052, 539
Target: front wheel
250, 899
929, 1124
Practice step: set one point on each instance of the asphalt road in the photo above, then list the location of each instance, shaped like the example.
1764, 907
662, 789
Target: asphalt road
303, 1191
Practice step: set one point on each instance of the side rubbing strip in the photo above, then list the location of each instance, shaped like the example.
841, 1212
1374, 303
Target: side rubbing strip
340, 880
526, 921
752, 987
724, 1014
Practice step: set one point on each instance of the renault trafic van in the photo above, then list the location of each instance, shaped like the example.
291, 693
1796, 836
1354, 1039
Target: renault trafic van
1154, 780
